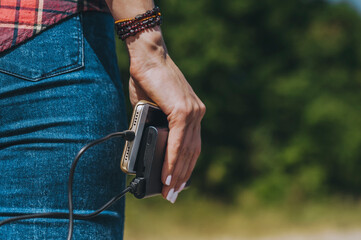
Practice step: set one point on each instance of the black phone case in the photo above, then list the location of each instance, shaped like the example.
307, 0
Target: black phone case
150, 160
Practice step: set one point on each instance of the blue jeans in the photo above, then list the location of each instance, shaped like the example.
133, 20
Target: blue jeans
59, 91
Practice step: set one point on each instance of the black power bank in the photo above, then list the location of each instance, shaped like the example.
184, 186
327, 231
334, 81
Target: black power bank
150, 160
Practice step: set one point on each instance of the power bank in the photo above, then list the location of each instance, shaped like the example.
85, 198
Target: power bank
150, 160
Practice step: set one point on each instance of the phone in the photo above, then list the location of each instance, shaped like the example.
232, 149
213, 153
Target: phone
144, 114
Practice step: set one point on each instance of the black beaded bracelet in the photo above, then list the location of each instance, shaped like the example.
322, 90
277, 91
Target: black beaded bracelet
131, 26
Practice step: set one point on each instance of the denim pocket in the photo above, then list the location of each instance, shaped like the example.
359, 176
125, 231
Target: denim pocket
55, 51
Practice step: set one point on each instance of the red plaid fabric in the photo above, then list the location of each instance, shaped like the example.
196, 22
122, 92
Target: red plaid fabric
22, 19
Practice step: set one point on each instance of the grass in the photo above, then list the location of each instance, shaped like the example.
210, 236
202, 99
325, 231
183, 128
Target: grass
196, 217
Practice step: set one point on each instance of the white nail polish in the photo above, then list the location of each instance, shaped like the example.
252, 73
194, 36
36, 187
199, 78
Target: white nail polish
170, 194
182, 187
174, 197
168, 180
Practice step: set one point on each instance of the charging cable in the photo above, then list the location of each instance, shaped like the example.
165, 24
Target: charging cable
135, 186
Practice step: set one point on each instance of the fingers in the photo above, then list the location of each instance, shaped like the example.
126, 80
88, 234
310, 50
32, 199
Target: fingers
175, 142
184, 158
178, 167
191, 162
191, 159
184, 146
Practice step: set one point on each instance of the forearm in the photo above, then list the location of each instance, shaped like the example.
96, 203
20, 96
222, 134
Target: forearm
122, 9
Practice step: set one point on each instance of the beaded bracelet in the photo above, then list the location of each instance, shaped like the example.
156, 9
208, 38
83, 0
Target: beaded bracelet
131, 26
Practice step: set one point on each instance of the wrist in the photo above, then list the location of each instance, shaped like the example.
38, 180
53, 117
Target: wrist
146, 49
151, 38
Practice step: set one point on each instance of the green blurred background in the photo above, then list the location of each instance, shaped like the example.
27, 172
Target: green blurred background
281, 137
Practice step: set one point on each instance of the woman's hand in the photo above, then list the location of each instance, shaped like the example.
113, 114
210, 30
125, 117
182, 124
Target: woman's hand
156, 78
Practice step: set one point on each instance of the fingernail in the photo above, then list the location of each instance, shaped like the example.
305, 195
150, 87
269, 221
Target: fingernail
168, 180
170, 194
174, 197
181, 187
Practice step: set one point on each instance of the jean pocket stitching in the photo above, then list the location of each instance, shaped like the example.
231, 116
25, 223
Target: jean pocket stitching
73, 66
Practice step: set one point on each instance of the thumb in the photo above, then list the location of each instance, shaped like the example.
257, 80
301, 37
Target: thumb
136, 93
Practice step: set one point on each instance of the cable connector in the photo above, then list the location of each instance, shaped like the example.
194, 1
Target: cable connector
137, 187
129, 135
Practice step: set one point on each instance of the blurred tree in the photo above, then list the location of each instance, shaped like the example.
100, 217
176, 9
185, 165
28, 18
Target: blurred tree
281, 81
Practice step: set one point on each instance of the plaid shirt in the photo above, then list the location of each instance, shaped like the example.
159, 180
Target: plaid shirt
22, 19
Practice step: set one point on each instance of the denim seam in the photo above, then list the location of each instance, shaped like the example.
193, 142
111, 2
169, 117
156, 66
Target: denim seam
96, 56
45, 76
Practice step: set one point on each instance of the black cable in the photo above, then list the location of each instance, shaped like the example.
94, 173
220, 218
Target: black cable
128, 136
